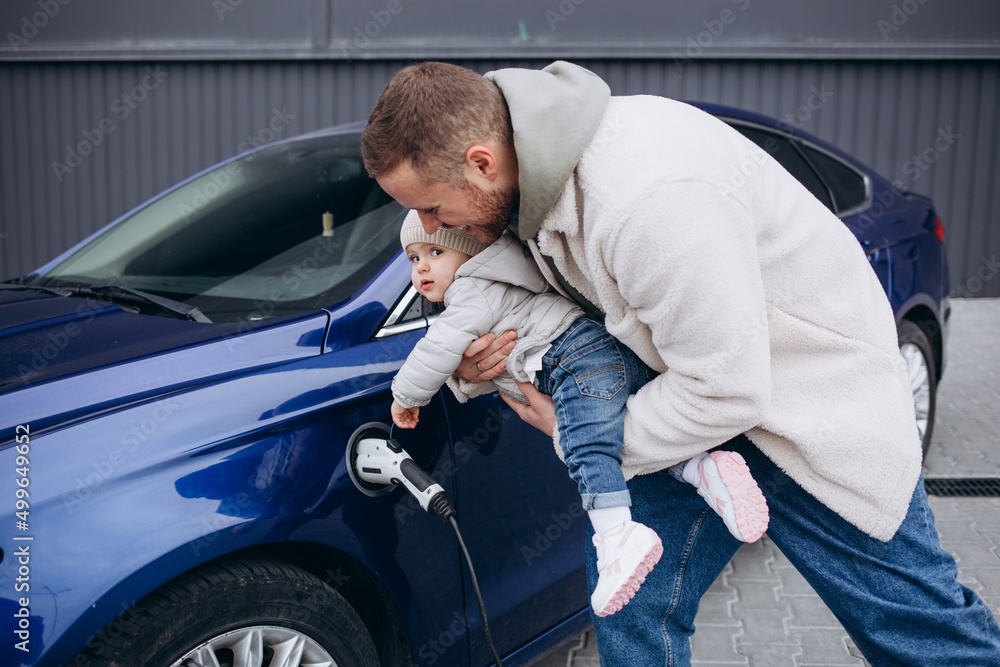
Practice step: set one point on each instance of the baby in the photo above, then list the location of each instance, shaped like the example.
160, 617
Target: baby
589, 375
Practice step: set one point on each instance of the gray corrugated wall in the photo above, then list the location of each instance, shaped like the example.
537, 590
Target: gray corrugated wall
179, 117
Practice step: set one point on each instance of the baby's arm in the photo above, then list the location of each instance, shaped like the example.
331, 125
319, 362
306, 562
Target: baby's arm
436, 356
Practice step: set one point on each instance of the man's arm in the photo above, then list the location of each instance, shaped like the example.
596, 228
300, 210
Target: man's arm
698, 287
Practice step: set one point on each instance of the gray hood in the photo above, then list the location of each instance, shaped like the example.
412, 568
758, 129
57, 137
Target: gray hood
554, 113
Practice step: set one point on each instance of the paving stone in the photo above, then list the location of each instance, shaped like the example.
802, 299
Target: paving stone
716, 645
793, 583
780, 562
770, 655
810, 612
753, 563
827, 647
719, 608
946, 509
765, 625
973, 554
757, 595
721, 584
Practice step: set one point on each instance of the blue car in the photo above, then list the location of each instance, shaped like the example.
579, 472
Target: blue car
178, 393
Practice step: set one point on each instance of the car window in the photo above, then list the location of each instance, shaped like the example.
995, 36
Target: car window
246, 240
411, 312
850, 190
782, 150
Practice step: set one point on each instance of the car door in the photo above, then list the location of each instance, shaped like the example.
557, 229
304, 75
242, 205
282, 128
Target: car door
519, 512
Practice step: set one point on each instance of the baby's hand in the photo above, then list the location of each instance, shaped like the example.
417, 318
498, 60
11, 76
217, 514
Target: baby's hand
404, 417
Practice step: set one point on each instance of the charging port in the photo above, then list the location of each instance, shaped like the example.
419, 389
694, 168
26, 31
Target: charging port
371, 430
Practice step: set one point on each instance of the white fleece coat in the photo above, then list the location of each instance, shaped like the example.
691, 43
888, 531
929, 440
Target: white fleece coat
499, 289
725, 274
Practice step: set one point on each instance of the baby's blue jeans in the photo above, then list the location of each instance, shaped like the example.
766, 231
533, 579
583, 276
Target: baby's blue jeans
590, 375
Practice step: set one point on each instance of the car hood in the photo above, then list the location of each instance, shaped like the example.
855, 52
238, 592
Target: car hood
61, 355
43, 337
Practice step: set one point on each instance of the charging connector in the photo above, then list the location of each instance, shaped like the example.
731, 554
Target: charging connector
383, 461
376, 464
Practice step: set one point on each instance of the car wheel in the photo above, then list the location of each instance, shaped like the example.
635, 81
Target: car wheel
238, 613
916, 350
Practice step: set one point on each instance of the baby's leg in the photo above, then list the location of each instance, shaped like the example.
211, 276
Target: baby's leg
590, 375
724, 481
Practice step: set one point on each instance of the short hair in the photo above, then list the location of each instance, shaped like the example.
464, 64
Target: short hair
430, 114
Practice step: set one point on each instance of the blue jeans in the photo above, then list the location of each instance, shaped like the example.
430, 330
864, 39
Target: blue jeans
899, 600
590, 375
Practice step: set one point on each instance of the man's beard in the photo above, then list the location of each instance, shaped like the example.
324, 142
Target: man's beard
493, 210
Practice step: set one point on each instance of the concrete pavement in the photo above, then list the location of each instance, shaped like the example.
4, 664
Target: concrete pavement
762, 613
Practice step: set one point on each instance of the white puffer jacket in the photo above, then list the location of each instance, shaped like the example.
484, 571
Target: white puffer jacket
725, 274
499, 289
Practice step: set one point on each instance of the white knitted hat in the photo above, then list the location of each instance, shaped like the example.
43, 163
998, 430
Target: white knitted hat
413, 232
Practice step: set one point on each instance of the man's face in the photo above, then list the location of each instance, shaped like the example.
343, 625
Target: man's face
483, 212
433, 267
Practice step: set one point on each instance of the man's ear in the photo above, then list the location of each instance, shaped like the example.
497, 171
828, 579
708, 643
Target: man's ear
481, 161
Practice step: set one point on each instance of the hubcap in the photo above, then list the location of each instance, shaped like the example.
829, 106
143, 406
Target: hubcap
920, 383
258, 646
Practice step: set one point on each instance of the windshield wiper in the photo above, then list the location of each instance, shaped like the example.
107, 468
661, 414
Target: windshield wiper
41, 288
113, 291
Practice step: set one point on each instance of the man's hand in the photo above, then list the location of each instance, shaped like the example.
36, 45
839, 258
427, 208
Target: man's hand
486, 357
541, 413
404, 417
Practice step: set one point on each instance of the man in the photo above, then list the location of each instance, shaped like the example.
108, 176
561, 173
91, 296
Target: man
770, 331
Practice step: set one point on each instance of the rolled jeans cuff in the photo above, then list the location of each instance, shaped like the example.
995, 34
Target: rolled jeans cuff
596, 501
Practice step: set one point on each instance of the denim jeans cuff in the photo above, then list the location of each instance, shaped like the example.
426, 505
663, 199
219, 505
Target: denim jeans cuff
596, 501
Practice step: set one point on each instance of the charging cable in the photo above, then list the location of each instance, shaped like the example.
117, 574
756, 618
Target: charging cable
380, 461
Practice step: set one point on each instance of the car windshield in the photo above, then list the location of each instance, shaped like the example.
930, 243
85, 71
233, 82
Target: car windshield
246, 240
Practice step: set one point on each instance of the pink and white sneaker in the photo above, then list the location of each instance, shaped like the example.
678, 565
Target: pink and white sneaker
729, 489
624, 558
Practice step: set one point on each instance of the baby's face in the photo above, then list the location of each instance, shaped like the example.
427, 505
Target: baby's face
432, 268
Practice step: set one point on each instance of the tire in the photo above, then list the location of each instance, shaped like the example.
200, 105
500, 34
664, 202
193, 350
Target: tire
238, 613
919, 357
